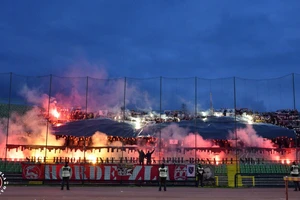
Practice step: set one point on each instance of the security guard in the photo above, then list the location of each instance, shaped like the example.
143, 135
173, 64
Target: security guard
295, 173
66, 173
199, 174
163, 174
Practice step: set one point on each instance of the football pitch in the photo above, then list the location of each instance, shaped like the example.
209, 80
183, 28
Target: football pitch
143, 193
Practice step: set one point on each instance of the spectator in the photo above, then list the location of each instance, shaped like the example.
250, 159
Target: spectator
148, 156
141, 157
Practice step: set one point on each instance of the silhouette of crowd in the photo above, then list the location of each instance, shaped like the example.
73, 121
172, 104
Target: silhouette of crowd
284, 118
73, 141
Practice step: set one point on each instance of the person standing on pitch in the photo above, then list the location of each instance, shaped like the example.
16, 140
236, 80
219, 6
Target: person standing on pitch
66, 173
163, 174
295, 173
199, 173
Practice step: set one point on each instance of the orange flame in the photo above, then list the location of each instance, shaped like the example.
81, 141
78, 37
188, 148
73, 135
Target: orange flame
55, 113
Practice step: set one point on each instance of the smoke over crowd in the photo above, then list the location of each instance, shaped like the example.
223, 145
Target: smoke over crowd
175, 133
34, 127
247, 137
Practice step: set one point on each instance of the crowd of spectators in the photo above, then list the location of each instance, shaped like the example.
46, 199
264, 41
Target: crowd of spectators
73, 141
58, 116
285, 118
166, 144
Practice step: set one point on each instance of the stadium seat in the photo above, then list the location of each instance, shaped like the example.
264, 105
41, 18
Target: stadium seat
247, 169
220, 169
242, 168
257, 169
263, 170
224, 169
1, 166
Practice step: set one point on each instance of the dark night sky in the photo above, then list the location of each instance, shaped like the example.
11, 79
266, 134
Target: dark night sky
211, 39
253, 39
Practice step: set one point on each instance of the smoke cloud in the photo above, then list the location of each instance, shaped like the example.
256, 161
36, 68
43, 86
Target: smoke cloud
247, 137
99, 139
90, 93
27, 129
101, 93
174, 132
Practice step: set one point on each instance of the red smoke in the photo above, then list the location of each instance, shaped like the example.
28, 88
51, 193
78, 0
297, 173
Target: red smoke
107, 94
247, 137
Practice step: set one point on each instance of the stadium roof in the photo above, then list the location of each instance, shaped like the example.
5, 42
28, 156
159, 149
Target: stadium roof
209, 129
91, 126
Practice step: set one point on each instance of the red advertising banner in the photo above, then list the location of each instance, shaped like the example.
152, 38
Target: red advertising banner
103, 172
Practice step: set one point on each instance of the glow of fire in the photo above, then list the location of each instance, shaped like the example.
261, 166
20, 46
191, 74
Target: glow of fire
137, 123
218, 114
55, 113
92, 159
117, 118
204, 113
21, 154
217, 159
249, 119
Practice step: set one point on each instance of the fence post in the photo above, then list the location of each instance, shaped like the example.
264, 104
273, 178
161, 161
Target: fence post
124, 108
235, 131
294, 106
124, 115
160, 110
8, 118
294, 93
48, 113
195, 119
86, 94
47, 126
84, 138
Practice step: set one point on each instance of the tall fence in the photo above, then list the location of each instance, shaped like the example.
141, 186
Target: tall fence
22, 94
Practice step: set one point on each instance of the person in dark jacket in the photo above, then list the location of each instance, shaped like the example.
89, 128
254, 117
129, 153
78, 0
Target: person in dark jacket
148, 156
141, 157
